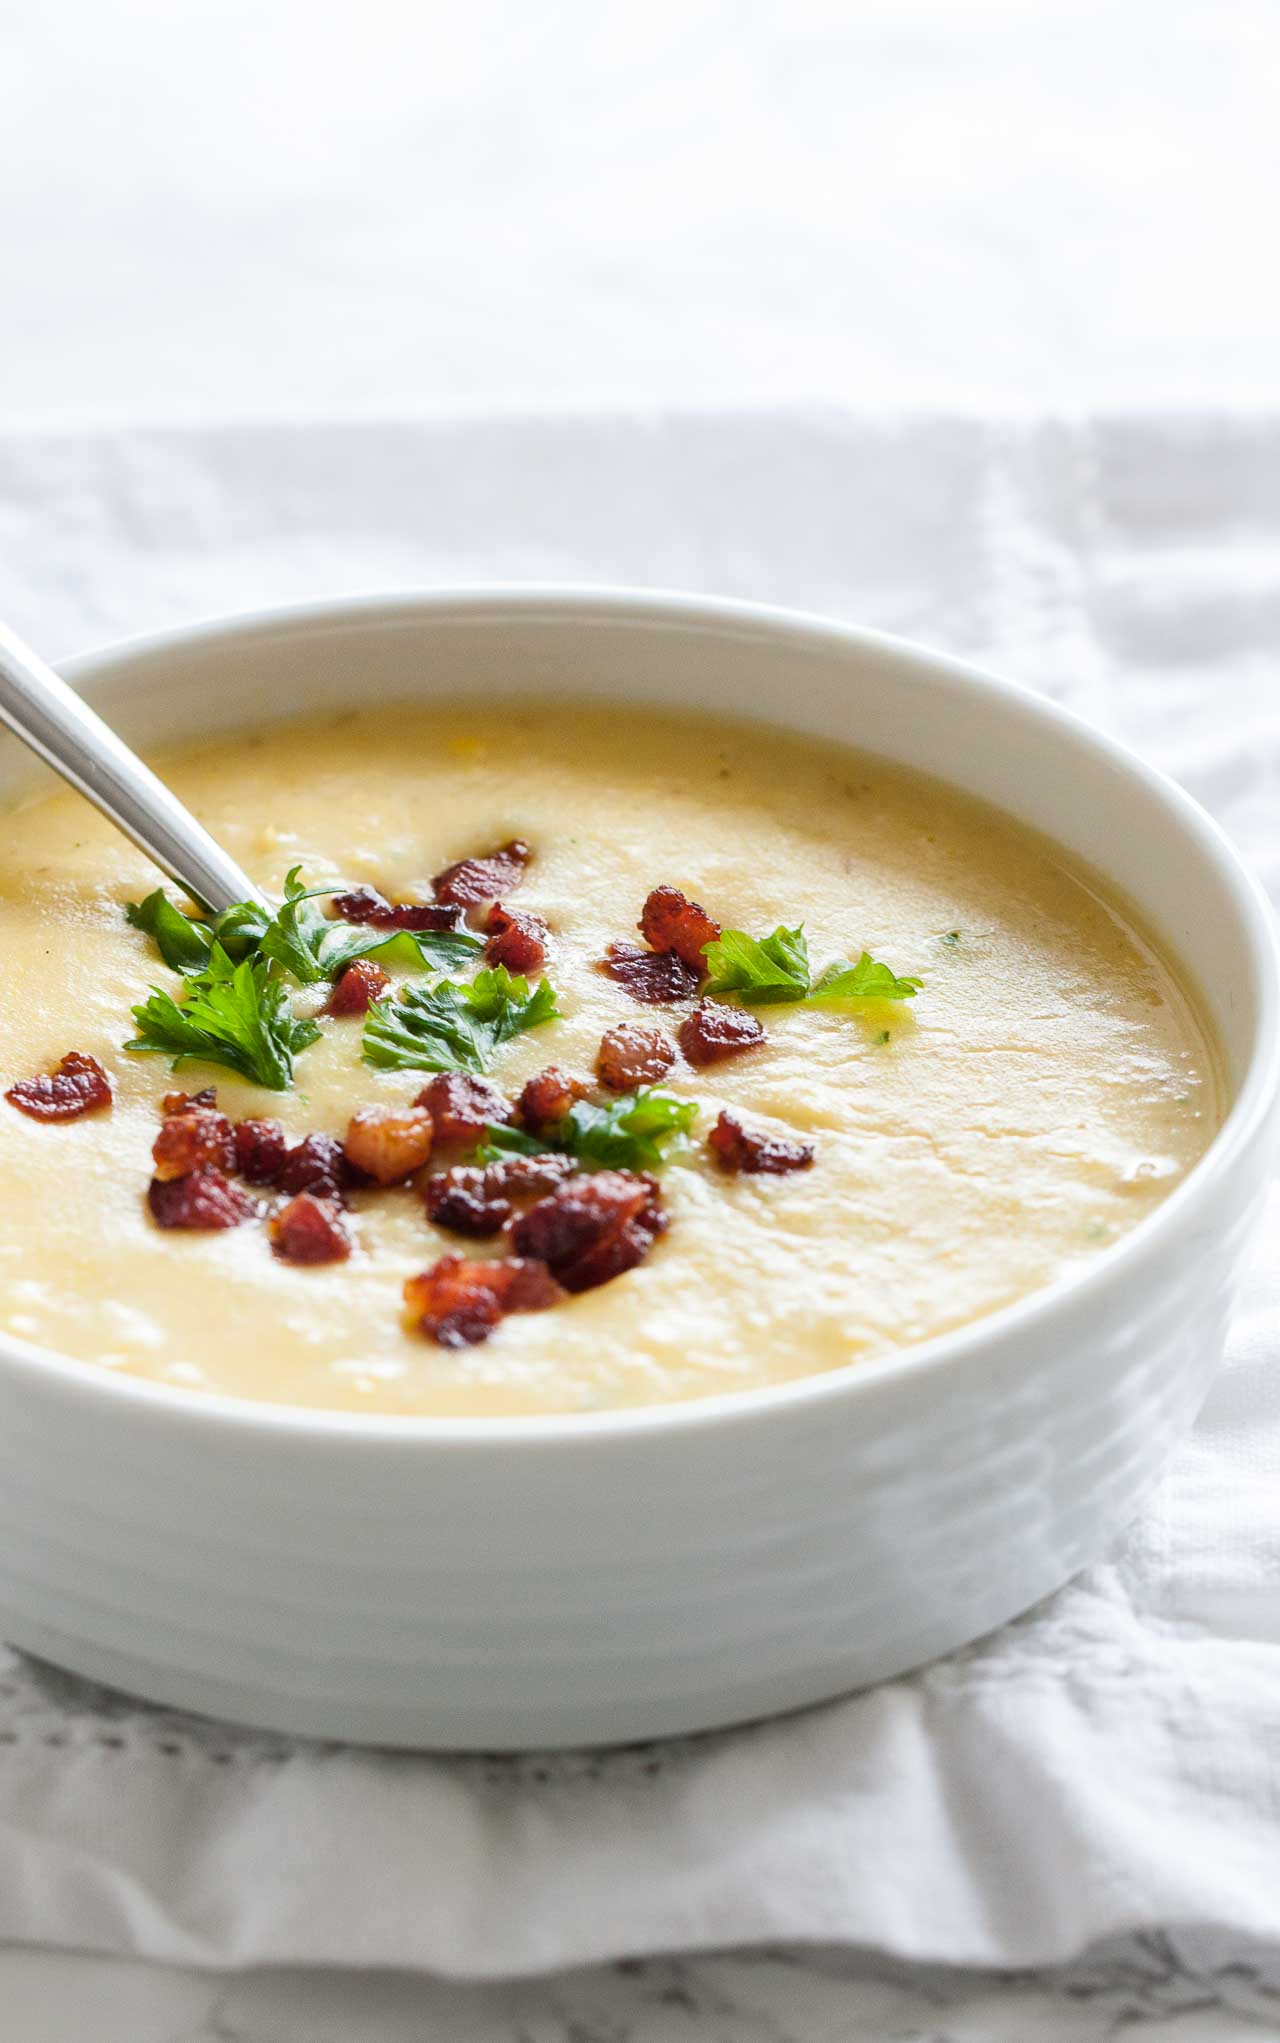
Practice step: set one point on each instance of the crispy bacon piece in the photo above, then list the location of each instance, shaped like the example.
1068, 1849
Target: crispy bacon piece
189, 1102
592, 1227
462, 1107
78, 1086
652, 977
191, 1139
367, 905
473, 880
466, 1200
457, 1302
454, 1303
309, 1230
355, 990
713, 1032
670, 921
261, 1148
736, 1148
472, 1201
203, 1199
517, 941
547, 1098
632, 1055
317, 1164
362, 904
388, 1146
528, 1177
529, 1285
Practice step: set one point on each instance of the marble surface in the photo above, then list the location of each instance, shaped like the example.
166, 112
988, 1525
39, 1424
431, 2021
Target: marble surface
1151, 1989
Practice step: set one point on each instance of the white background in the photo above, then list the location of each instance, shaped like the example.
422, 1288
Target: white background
220, 214
230, 209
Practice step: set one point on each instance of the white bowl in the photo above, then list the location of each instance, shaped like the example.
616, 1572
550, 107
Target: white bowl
546, 1581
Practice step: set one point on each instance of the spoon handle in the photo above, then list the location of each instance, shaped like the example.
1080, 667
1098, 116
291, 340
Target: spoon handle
47, 715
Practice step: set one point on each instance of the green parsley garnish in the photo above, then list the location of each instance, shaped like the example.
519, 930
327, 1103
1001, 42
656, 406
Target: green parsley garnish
299, 936
237, 1015
452, 1026
184, 945
500, 1139
776, 968
626, 1133
867, 980
304, 940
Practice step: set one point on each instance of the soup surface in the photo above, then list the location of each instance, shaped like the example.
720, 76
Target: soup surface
1048, 1086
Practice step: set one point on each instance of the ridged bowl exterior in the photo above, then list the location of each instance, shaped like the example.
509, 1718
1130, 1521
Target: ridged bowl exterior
529, 1582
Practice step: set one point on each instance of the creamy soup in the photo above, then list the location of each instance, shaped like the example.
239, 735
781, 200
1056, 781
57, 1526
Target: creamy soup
1048, 1085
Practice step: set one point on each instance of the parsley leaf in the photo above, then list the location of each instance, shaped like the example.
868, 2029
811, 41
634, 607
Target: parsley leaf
237, 1015
775, 968
626, 1133
304, 940
184, 945
502, 1140
299, 936
241, 928
452, 1026
867, 980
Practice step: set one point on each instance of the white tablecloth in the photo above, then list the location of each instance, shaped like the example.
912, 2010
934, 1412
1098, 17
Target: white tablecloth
1109, 1764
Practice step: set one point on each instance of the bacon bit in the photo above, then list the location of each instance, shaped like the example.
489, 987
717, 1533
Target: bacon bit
736, 1148
530, 1286
517, 941
593, 1227
357, 988
309, 1230
78, 1086
462, 1107
362, 904
528, 1177
457, 1302
454, 1303
191, 1139
388, 1146
632, 1055
547, 1098
474, 880
468, 1200
202, 1199
367, 905
670, 921
465, 1200
189, 1102
261, 1148
652, 977
713, 1032
317, 1164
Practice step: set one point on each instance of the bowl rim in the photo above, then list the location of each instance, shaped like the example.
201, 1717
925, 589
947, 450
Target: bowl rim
1255, 1101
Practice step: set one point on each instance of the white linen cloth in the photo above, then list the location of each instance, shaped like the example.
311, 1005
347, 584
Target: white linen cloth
1111, 1762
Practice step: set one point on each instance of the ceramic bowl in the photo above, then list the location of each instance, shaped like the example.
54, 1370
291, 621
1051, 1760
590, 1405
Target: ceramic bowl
547, 1581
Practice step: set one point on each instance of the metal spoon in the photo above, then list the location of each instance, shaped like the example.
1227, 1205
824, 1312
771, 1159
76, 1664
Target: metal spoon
40, 709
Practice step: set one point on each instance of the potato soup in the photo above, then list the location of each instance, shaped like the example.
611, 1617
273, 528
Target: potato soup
880, 1061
